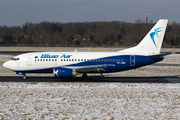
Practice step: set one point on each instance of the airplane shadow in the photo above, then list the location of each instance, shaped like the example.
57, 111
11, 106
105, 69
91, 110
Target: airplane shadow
164, 79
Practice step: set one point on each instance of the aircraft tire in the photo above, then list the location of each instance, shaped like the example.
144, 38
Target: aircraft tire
24, 77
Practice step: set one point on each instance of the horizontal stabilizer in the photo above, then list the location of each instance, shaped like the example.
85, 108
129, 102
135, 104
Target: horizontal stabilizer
166, 64
162, 54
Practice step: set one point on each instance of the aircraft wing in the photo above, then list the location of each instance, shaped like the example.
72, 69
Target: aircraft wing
93, 68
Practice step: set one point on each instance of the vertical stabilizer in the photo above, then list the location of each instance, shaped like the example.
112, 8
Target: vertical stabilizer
152, 42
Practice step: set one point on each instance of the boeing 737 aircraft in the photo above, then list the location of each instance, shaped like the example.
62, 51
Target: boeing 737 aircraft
69, 64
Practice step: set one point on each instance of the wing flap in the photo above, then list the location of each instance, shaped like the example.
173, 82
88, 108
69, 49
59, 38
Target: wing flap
92, 68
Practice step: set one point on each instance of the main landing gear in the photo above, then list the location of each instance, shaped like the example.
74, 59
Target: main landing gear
102, 75
84, 76
24, 77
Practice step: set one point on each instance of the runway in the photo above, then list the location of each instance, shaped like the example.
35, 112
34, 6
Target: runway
14, 53
164, 79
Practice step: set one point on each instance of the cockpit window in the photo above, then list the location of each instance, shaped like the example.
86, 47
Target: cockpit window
15, 59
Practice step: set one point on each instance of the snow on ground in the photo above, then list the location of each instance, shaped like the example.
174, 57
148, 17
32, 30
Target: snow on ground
93, 100
89, 101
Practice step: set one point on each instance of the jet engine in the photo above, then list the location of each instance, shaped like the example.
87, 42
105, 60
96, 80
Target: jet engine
64, 72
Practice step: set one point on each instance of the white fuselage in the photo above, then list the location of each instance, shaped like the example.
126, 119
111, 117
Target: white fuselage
44, 60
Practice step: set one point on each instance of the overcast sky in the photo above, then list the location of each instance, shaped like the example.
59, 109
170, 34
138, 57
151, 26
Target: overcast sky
17, 12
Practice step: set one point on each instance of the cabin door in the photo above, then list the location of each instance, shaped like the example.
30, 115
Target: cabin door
30, 60
132, 60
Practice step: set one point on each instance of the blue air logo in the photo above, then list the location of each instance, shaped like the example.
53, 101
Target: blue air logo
155, 33
65, 56
49, 56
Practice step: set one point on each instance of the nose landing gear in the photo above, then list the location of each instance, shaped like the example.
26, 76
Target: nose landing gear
22, 73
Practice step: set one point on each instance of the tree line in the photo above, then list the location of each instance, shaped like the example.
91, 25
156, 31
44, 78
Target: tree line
115, 33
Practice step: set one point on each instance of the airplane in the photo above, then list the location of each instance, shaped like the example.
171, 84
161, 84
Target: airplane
70, 64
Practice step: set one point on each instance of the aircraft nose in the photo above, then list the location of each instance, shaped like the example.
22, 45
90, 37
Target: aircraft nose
11, 65
6, 65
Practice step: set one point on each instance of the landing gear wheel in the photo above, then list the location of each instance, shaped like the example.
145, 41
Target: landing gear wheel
84, 76
24, 77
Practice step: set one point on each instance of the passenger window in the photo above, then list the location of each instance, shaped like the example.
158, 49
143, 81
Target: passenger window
116, 60
46, 59
69, 59
64, 59
43, 59
72, 59
40, 59
35, 60
84, 59
78, 59
81, 59
49, 59
107, 60
55, 59
119, 60
52, 59
104, 60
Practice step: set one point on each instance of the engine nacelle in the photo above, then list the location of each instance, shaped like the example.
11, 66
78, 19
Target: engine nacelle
64, 72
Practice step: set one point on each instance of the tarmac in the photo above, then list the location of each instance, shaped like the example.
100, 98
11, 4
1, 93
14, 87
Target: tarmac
163, 79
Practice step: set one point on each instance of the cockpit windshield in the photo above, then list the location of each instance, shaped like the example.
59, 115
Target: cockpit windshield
15, 59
